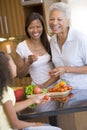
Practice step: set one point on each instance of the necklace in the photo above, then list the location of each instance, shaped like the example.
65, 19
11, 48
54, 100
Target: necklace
36, 49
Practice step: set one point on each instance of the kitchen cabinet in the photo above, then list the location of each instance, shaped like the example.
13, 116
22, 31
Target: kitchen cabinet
42, 8
46, 5
11, 18
9, 46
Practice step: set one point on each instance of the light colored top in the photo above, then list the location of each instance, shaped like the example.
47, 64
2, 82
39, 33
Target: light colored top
7, 95
45, 127
74, 53
39, 70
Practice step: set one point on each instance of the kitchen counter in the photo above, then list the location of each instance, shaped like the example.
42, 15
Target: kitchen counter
54, 109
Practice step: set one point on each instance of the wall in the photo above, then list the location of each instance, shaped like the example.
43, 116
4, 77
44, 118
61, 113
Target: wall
78, 14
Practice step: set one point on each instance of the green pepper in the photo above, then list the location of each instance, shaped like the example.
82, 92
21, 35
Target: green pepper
29, 90
32, 106
44, 90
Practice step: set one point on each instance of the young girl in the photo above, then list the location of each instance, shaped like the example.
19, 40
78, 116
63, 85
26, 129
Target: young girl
8, 106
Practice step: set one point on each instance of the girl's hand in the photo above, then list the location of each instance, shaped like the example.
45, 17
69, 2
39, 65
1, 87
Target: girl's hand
40, 99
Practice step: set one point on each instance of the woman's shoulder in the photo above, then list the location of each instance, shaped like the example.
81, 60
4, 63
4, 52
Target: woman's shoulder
22, 43
78, 34
21, 46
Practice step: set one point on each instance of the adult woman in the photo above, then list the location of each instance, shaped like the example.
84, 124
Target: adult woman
33, 54
8, 107
69, 52
69, 48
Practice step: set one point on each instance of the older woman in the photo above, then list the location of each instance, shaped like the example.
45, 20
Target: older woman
69, 48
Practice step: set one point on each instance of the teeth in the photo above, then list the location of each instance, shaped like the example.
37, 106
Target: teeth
56, 28
36, 34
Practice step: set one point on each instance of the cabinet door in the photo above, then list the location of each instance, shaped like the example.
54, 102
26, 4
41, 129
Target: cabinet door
12, 17
4, 17
47, 4
1, 20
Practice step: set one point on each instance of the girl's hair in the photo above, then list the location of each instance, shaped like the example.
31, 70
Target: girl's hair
44, 39
62, 7
5, 73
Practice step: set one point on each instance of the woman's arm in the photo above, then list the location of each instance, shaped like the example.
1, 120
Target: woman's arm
77, 70
49, 82
68, 69
13, 119
22, 66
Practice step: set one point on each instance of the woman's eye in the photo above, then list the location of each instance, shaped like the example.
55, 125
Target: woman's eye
59, 19
38, 26
34, 27
30, 27
51, 19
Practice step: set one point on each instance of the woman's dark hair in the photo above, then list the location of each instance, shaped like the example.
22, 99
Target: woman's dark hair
5, 73
44, 39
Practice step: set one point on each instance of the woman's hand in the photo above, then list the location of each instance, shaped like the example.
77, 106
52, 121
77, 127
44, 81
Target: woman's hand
39, 124
57, 71
32, 58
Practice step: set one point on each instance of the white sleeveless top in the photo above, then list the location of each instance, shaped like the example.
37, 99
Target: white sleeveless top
39, 70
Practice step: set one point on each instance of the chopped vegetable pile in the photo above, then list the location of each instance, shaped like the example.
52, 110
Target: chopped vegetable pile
29, 90
34, 89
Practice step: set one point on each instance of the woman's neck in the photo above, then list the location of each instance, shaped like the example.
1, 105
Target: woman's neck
35, 40
36, 47
61, 38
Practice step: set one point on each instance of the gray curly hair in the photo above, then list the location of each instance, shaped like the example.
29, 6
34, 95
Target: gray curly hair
62, 7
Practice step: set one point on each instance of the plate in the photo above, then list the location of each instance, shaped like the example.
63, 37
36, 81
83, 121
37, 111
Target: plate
52, 94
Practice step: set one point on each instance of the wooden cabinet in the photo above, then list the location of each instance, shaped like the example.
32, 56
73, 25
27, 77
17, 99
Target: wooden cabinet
42, 8
11, 18
47, 4
11, 44
13, 13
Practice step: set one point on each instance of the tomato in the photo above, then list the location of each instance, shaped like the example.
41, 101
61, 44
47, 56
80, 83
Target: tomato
70, 95
65, 88
37, 90
64, 99
50, 90
62, 90
46, 97
69, 87
58, 90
